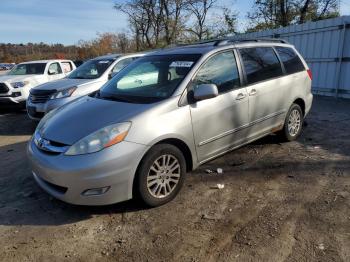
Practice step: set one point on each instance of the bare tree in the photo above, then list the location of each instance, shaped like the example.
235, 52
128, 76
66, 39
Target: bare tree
269, 14
199, 10
317, 10
154, 22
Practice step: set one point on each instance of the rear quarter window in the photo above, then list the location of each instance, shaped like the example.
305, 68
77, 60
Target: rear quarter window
260, 63
290, 59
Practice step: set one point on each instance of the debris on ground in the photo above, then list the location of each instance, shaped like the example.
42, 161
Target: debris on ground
218, 171
218, 186
121, 241
209, 217
320, 246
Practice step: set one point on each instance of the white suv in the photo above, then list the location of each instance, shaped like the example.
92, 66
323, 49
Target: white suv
15, 85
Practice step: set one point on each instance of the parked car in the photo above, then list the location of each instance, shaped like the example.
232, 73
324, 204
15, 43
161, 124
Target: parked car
5, 67
15, 85
186, 106
87, 78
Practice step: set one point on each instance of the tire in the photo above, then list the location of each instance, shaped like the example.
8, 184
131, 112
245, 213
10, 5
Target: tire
293, 124
162, 186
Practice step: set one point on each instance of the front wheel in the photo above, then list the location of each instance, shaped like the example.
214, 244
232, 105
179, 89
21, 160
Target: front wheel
293, 124
160, 175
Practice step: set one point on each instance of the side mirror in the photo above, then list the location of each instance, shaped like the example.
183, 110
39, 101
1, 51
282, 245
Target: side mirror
111, 75
52, 71
205, 91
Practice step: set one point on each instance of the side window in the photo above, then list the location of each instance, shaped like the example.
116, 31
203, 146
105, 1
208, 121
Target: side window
121, 64
260, 64
220, 70
55, 69
67, 67
290, 59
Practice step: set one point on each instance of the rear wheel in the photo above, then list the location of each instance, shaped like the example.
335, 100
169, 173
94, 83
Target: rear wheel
160, 175
293, 124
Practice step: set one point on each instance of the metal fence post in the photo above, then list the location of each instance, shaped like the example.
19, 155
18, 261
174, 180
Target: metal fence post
340, 59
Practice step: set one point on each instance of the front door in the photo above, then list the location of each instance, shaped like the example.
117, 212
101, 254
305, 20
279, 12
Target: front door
219, 123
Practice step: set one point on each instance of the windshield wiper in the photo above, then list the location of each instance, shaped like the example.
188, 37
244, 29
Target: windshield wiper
77, 77
114, 98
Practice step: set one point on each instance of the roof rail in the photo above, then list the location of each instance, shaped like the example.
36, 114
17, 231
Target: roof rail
225, 41
263, 39
204, 42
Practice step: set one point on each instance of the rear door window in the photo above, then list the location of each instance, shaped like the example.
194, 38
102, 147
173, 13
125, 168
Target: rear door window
290, 59
55, 69
260, 63
67, 67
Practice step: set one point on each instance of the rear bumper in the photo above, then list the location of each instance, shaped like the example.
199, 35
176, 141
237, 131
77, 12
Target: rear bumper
67, 177
308, 103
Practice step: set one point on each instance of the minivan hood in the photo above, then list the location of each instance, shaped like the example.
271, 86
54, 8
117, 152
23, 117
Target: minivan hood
64, 83
16, 78
74, 121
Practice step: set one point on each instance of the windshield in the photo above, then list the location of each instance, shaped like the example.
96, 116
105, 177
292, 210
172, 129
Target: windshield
149, 79
92, 69
28, 69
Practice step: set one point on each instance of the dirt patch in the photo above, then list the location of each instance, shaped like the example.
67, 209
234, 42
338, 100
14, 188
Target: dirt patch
281, 202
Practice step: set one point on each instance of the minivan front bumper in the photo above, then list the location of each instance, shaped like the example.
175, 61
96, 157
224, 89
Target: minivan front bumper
68, 177
36, 111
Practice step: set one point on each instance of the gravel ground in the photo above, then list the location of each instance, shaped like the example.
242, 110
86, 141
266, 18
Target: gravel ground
280, 202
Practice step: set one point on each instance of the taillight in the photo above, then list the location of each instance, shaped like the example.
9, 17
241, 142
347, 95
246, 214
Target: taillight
309, 73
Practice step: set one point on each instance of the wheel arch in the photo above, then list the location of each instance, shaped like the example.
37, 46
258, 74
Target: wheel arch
300, 102
189, 155
183, 147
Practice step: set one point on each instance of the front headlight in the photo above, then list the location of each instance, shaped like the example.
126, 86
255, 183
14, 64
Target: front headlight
105, 137
19, 84
64, 93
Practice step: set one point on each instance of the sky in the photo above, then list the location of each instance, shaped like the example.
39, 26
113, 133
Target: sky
68, 21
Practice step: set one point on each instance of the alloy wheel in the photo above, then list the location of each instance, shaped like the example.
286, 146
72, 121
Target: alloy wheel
163, 176
294, 122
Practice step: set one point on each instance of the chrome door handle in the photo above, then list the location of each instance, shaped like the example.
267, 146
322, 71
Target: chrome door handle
240, 96
252, 92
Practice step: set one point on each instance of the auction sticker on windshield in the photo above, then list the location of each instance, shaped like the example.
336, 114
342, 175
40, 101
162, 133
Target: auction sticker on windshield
181, 64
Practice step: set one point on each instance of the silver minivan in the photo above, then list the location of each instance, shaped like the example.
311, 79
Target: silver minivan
164, 115
87, 78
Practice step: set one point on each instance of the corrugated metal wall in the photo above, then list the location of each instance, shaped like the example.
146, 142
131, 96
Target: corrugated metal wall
325, 45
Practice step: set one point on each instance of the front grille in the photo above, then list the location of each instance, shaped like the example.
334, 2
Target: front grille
3, 88
40, 96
